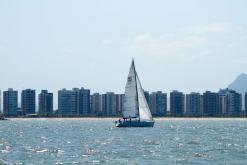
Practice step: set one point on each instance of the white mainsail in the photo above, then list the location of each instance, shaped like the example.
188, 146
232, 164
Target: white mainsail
135, 104
130, 100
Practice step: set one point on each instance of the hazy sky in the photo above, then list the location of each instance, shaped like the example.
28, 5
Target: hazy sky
191, 45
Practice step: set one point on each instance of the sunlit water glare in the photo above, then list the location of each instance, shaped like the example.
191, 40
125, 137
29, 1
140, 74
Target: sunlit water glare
97, 141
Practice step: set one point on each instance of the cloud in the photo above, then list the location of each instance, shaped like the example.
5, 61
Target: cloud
71, 50
105, 42
142, 37
216, 27
160, 46
186, 42
213, 42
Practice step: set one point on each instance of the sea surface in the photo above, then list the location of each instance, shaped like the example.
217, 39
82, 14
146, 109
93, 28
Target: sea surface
97, 141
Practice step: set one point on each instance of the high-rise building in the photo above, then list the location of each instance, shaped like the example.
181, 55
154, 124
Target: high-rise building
158, 103
147, 97
95, 104
230, 102
119, 104
103, 104
28, 101
110, 104
74, 102
177, 103
152, 104
222, 103
210, 103
10, 102
193, 104
234, 103
67, 102
245, 103
83, 96
45, 103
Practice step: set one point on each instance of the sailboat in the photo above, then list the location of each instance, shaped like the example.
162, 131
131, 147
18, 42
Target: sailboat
136, 112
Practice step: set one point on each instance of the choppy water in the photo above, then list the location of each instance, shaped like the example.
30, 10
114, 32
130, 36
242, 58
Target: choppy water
97, 141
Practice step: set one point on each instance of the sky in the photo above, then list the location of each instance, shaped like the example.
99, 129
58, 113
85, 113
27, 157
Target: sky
192, 45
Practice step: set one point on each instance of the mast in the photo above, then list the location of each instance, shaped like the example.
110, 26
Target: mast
136, 90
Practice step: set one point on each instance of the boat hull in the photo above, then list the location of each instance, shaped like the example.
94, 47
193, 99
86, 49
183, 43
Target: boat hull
135, 123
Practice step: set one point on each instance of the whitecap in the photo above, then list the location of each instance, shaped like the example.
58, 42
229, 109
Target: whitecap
56, 151
74, 162
6, 149
198, 155
85, 155
41, 150
95, 161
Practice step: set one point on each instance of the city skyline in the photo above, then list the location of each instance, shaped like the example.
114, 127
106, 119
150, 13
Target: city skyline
81, 102
237, 85
177, 45
56, 94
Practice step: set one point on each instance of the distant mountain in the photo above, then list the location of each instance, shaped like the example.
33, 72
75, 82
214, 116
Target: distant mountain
240, 84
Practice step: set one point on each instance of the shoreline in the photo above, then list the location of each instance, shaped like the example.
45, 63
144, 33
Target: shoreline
156, 119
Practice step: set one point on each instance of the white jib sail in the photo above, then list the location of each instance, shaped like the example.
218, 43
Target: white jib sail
130, 100
144, 111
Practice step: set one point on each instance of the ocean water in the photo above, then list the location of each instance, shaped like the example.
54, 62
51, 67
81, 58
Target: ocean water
97, 141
